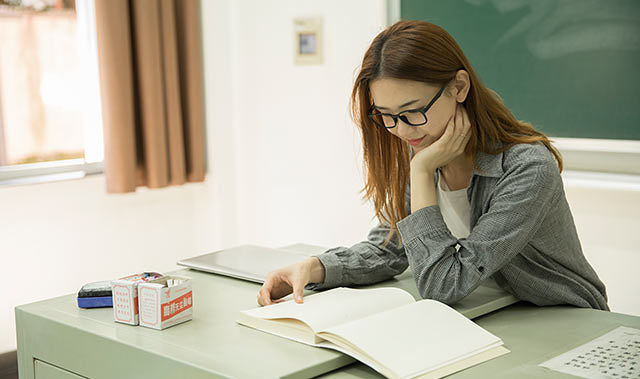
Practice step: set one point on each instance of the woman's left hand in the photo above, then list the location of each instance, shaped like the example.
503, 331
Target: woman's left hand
450, 145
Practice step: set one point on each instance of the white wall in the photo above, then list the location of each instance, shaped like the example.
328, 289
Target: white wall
298, 171
273, 180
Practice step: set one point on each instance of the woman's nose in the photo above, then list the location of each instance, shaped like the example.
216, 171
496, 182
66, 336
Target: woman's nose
405, 130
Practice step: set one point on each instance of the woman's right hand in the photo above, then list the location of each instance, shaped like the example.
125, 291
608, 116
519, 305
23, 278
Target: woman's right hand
281, 282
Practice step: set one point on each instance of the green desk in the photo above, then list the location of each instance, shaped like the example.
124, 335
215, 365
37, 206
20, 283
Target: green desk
56, 339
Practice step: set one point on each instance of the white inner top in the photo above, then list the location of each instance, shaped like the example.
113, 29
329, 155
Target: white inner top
455, 209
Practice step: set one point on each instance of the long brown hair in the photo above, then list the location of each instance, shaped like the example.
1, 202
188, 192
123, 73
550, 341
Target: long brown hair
424, 52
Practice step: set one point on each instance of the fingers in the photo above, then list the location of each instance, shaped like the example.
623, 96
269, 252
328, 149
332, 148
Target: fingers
449, 130
459, 121
265, 299
297, 293
282, 282
467, 123
467, 126
264, 295
463, 126
297, 289
270, 288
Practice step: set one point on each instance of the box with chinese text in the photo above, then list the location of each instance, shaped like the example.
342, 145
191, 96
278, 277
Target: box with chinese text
165, 302
125, 296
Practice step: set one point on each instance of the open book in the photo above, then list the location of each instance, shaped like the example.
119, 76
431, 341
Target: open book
384, 328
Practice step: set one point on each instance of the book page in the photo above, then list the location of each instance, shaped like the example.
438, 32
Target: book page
335, 306
415, 338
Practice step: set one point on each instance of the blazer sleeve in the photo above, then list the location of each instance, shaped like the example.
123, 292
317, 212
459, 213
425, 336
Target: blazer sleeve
366, 262
520, 201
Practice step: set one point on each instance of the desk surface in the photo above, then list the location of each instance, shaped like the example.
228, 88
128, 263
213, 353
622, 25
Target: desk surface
55, 334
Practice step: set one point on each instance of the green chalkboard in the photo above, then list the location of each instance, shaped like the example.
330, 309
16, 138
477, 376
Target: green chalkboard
570, 67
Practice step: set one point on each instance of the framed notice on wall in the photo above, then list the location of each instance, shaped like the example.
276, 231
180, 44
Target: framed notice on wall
307, 40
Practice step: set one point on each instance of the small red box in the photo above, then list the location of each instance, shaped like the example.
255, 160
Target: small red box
165, 302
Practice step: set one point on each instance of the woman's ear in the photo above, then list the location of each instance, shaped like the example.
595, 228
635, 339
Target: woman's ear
462, 85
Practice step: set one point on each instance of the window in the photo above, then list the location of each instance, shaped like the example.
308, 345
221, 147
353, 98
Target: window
50, 123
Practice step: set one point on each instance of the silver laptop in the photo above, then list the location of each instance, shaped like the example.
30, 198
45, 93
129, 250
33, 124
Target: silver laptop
248, 262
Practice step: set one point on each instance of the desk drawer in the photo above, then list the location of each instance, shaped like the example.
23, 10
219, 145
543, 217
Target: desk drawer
47, 371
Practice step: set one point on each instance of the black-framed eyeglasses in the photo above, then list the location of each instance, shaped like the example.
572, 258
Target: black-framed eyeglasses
413, 117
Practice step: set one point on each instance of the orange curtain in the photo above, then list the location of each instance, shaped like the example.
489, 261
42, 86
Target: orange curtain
150, 60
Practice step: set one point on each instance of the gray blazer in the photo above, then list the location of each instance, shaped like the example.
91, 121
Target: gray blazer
522, 235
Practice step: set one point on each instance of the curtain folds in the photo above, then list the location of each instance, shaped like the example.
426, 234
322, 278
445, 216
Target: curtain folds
150, 60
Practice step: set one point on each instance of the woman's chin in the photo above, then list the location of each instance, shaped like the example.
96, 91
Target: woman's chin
421, 147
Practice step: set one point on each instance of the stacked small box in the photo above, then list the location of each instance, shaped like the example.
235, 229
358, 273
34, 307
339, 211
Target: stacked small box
165, 302
125, 296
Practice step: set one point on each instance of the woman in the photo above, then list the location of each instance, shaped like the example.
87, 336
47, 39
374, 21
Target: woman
463, 191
